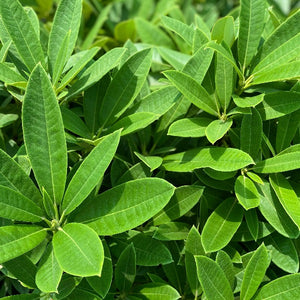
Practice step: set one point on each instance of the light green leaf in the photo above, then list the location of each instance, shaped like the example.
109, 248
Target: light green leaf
213, 280
126, 206
183, 200
225, 263
22, 33
171, 231
7, 119
78, 250
248, 101
286, 196
44, 135
67, 19
217, 129
96, 71
14, 205
189, 127
175, 58
252, 17
90, 172
223, 30
8, 75
254, 272
125, 30
49, 272
4, 51
125, 86
16, 240
246, 192
221, 225
193, 91
217, 158
284, 288
156, 291
255, 177
153, 162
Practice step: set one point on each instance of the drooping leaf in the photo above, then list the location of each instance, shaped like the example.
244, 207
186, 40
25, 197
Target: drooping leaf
78, 250
217, 129
44, 135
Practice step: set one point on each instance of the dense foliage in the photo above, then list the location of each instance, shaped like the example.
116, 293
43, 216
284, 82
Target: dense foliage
149, 149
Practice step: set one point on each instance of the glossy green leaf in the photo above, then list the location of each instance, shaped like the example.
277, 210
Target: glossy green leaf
156, 291
91, 170
248, 101
252, 223
246, 192
287, 196
8, 75
153, 162
217, 158
217, 129
44, 134
189, 127
254, 272
213, 279
67, 19
7, 119
193, 91
223, 30
22, 33
251, 27
221, 225
225, 263
49, 272
183, 200
254, 177
14, 205
126, 206
171, 231
78, 250
125, 270
16, 240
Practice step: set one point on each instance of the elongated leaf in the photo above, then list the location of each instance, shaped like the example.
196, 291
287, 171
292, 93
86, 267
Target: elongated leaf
221, 225
96, 71
14, 205
22, 33
183, 200
126, 206
251, 27
286, 287
90, 172
213, 279
217, 129
223, 30
126, 269
248, 101
153, 162
246, 192
255, 272
78, 250
8, 75
171, 231
217, 158
189, 127
156, 291
125, 86
286, 196
49, 272
16, 240
193, 91
252, 223
66, 19
274, 213
44, 135
251, 133
225, 263
4, 50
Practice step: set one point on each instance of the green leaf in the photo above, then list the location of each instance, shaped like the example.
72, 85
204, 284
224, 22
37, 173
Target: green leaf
274, 213
217, 158
223, 30
174, 58
248, 101
44, 135
125, 270
285, 287
125, 86
171, 231
254, 272
7, 119
252, 223
251, 27
255, 177
246, 192
49, 272
189, 127
22, 33
183, 200
153, 162
8, 75
156, 291
193, 91
4, 51
221, 225
67, 19
225, 263
96, 71
90, 172
217, 129
125, 30
78, 250
213, 279
287, 196
251, 133
283, 252
14, 205
16, 240
48, 204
